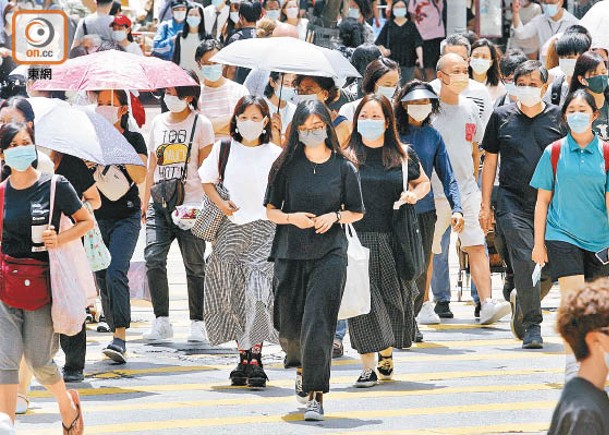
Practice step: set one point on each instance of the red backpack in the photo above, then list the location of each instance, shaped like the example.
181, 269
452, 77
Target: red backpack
556, 155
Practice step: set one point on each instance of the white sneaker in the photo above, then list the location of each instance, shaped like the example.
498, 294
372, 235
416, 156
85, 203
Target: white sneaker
161, 330
493, 310
198, 333
427, 315
314, 411
23, 404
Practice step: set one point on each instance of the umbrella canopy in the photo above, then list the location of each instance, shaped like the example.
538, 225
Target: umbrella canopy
80, 132
113, 69
595, 21
287, 55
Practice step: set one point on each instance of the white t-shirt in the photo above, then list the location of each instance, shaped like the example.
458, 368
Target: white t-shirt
169, 145
245, 177
544, 27
134, 48
220, 102
188, 46
348, 110
209, 13
478, 93
286, 113
460, 126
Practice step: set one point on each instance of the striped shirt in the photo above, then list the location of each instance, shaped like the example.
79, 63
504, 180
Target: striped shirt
220, 102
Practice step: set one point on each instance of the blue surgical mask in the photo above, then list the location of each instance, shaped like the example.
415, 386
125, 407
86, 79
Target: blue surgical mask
20, 158
399, 12
285, 93
212, 72
313, 138
273, 15
386, 91
354, 13
193, 20
579, 122
550, 10
371, 129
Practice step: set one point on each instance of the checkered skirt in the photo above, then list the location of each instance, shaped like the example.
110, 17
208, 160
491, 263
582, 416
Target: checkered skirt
238, 285
390, 322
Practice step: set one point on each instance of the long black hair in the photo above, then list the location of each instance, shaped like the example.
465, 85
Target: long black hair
186, 30
294, 148
8, 132
587, 62
240, 107
401, 114
392, 153
584, 95
492, 75
375, 70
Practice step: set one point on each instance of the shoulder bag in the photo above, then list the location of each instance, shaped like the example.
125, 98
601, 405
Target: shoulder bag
170, 193
405, 225
210, 217
24, 282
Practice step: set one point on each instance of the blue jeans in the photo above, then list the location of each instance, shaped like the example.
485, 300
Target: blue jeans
160, 234
341, 329
120, 236
440, 278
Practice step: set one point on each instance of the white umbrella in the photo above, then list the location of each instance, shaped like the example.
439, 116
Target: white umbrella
595, 21
80, 132
287, 55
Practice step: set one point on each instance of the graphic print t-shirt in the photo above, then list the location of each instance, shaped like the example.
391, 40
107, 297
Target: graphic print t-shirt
169, 147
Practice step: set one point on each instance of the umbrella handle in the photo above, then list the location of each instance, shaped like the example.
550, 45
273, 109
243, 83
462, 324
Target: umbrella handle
280, 89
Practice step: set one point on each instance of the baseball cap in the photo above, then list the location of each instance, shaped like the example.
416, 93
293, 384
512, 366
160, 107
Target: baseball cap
121, 20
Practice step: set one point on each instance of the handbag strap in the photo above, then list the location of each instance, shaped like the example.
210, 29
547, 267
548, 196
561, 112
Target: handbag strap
54, 179
223, 159
2, 193
405, 170
192, 136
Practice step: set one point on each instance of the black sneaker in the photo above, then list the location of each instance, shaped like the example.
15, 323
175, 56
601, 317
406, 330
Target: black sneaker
532, 338
238, 377
301, 396
418, 335
102, 326
517, 318
116, 353
256, 377
367, 379
508, 286
73, 376
385, 367
477, 309
442, 309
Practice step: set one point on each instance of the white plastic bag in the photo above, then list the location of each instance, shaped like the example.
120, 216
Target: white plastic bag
138, 283
72, 282
356, 298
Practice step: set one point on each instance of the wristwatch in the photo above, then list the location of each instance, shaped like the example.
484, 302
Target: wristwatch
338, 216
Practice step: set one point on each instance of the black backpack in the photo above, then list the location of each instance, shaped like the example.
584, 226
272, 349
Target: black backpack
556, 91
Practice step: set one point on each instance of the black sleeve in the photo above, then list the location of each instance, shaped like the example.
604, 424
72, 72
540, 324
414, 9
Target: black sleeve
382, 38
352, 194
83, 174
490, 142
276, 191
139, 144
66, 200
414, 165
76, 172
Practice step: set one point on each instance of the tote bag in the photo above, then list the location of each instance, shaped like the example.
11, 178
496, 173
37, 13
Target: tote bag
95, 248
72, 282
405, 225
356, 297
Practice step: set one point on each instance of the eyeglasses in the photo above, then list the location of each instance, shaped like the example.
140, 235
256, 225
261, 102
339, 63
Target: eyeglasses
312, 130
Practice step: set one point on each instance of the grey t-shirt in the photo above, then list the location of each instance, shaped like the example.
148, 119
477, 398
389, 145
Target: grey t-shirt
96, 25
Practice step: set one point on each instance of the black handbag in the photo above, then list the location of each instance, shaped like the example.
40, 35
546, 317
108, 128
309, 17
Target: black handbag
410, 258
170, 193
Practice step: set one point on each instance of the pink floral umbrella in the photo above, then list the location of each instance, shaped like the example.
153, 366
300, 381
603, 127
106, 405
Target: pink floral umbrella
113, 69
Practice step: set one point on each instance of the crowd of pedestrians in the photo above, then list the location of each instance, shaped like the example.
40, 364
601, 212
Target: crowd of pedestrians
474, 141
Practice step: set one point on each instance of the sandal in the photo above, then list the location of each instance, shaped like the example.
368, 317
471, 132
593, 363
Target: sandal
23, 403
337, 349
78, 425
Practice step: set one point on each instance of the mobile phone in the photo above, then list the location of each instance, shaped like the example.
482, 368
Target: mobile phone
603, 256
536, 277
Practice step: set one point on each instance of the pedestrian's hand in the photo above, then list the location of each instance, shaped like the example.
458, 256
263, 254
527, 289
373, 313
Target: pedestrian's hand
486, 219
386, 52
457, 222
276, 122
540, 255
516, 6
144, 209
324, 222
49, 238
302, 220
409, 198
228, 208
378, 23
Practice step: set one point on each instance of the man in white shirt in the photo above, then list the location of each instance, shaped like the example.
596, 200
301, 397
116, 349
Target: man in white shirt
216, 15
460, 126
555, 19
477, 92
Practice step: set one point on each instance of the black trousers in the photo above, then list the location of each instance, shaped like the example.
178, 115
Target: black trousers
307, 299
427, 224
75, 348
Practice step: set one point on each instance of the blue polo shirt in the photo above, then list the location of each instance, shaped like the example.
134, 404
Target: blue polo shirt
578, 211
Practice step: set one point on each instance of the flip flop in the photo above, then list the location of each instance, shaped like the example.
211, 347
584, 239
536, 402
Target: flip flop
78, 425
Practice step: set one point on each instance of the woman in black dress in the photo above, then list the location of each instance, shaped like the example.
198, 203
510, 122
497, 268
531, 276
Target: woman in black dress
312, 188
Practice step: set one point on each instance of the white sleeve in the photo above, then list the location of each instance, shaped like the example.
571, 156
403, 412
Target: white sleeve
528, 30
208, 172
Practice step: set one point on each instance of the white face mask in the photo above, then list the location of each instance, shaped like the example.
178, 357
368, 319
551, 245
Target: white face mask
419, 112
386, 91
273, 15
479, 65
119, 35
179, 16
110, 113
193, 20
528, 96
174, 104
567, 66
234, 16
250, 130
291, 12
301, 98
